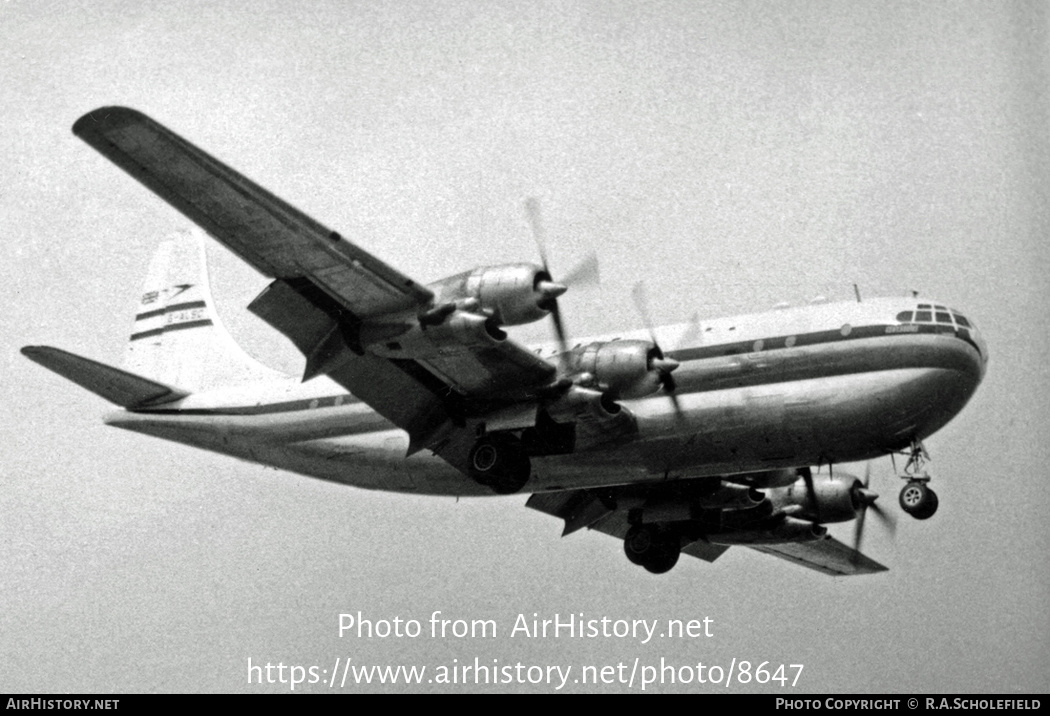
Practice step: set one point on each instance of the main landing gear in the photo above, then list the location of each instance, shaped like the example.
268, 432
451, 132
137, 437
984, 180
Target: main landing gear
916, 498
499, 462
653, 547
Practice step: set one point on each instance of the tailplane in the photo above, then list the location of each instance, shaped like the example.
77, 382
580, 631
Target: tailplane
115, 385
177, 337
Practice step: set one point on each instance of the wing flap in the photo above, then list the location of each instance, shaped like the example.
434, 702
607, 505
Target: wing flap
115, 385
500, 369
826, 555
313, 324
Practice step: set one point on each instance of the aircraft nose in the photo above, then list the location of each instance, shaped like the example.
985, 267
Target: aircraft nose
982, 348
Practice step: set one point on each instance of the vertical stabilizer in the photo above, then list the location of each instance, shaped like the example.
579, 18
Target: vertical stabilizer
177, 337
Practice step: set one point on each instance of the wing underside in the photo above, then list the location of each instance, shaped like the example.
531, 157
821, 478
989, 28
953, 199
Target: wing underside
327, 292
597, 511
268, 233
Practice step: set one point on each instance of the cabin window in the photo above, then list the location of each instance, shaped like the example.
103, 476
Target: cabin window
944, 318
924, 316
904, 316
961, 321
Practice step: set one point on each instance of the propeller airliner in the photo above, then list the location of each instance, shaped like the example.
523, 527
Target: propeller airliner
686, 438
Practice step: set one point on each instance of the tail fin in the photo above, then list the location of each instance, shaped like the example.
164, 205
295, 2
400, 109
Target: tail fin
177, 336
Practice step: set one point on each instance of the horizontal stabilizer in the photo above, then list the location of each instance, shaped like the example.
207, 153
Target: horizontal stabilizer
115, 385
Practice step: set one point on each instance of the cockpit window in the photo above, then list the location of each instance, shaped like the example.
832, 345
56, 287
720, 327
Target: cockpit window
928, 312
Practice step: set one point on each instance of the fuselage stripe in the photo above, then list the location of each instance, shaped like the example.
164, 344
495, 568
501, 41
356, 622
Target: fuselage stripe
809, 339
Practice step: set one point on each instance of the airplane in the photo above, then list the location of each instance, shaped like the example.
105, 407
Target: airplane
688, 438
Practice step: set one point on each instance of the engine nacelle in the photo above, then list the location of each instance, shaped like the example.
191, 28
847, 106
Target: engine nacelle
599, 418
627, 369
584, 404
512, 294
413, 339
729, 497
834, 499
781, 477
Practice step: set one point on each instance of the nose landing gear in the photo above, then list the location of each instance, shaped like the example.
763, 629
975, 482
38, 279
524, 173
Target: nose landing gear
916, 498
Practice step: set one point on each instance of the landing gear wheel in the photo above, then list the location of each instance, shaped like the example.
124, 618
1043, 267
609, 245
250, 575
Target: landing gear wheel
651, 547
918, 500
664, 560
638, 543
500, 463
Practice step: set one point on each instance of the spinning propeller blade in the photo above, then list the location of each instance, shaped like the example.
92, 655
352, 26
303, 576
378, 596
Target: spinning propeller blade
663, 366
864, 499
583, 274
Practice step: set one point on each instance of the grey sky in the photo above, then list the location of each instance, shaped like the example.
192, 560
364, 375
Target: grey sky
733, 155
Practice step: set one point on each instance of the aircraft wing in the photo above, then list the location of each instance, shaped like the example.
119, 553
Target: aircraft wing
274, 237
325, 287
595, 510
826, 555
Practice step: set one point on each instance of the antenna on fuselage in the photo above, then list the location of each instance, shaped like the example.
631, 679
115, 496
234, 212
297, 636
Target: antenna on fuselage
856, 290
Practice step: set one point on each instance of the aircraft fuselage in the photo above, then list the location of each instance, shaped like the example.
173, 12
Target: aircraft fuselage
818, 384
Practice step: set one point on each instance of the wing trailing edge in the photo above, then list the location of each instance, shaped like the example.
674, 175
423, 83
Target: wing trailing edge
115, 385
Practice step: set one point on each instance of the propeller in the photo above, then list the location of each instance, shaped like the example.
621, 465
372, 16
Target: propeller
583, 274
663, 366
863, 500
811, 493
